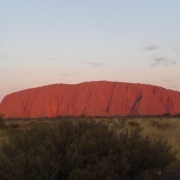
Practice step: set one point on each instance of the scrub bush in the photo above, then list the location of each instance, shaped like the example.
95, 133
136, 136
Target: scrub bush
82, 150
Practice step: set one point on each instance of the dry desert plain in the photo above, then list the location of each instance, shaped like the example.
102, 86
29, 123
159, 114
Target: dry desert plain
163, 128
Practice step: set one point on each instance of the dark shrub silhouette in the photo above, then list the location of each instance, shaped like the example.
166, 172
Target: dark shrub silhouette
81, 150
2, 124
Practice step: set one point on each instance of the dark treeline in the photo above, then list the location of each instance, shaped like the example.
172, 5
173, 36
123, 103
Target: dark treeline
83, 150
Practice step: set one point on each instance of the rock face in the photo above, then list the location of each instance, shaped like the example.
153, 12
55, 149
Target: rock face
99, 98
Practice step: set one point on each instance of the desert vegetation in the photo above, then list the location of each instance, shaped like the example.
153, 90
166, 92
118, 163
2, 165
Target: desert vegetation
90, 148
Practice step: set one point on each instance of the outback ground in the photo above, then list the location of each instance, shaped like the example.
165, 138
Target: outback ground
167, 128
157, 128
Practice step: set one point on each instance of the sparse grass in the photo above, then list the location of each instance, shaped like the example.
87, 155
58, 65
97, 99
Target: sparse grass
167, 128
86, 148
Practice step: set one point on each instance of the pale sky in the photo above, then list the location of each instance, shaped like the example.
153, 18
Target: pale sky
72, 41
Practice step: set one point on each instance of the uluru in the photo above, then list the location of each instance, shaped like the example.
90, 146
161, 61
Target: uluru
98, 98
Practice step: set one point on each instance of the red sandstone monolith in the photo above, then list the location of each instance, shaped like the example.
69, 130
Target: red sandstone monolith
99, 98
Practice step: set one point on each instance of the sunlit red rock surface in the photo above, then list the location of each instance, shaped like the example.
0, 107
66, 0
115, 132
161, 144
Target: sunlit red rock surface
101, 98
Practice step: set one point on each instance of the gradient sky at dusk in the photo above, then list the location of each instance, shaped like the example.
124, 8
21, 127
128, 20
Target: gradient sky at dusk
71, 41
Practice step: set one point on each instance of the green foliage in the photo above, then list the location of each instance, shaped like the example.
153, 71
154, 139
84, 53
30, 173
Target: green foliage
164, 126
81, 150
176, 115
146, 154
172, 172
160, 126
153, 123
2, 124
133, 124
